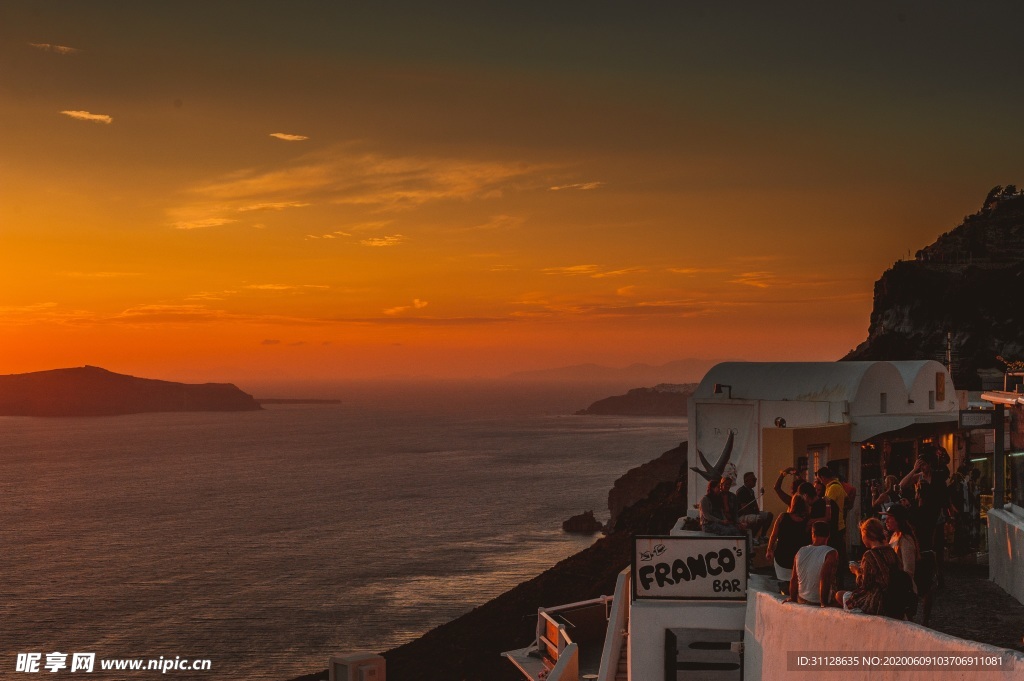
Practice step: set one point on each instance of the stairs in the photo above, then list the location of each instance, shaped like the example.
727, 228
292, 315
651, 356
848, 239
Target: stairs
622, 670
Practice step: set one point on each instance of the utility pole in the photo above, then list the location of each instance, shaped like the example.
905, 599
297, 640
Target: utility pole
998, 461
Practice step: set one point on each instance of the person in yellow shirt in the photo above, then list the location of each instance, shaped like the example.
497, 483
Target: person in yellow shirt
834, 490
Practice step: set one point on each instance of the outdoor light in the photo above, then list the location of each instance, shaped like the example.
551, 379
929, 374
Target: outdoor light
720, 388
780, 422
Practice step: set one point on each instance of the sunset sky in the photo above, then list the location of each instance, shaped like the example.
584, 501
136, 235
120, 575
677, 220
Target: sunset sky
242, 190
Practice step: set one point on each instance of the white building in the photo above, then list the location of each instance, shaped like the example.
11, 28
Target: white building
781, 412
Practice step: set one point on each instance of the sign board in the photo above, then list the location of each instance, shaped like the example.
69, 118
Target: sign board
685, 568
977, 418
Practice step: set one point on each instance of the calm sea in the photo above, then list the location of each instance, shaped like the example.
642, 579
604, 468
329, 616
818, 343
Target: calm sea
269, 541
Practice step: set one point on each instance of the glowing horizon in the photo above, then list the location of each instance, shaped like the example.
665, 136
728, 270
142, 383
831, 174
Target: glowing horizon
344, 193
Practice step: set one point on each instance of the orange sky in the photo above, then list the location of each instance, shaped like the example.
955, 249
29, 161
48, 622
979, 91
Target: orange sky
465, 191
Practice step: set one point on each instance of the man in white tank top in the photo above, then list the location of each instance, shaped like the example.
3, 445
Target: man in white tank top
814, 569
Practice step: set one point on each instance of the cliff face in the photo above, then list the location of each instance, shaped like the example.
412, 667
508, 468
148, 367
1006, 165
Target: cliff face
91, 391
968, 284
638, 482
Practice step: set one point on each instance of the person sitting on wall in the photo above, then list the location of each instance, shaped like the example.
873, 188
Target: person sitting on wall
716, 517
759, 522
814, 570
874, 572
789, 533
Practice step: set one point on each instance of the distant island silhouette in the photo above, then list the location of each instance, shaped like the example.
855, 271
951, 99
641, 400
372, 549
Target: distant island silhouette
92, 391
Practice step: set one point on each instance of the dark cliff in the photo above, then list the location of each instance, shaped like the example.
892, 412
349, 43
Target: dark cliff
967, 287
91, 391
637, 483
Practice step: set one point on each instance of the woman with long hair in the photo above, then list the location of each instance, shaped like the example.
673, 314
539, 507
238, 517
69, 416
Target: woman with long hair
873, 573
789, 534
902, 539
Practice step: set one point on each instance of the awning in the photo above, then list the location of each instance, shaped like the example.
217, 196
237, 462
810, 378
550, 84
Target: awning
916, 431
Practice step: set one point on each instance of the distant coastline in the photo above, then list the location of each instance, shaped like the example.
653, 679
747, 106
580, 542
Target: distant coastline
273, 400
92, 391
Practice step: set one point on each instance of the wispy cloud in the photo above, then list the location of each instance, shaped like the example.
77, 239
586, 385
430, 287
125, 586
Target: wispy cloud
288, 137
100, 275
284, 287
539, 306
270, 341
584, 186
58, 49
271, 287
618, 273
495, 223
417, 304
274, 205
755, 279
382, 241
202, 223
572, 270
87, 116
25, 309
695, 270
346, 176
593, 271
162, 313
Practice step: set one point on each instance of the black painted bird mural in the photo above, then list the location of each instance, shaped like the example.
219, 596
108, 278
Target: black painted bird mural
713, 472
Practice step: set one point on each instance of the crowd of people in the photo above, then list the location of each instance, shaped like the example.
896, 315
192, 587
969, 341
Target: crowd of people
904, 538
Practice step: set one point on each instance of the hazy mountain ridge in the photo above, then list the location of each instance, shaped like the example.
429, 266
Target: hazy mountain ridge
967, 284
92, 391
678, 371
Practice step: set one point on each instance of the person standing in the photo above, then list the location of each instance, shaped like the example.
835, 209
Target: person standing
834, 491
789, 533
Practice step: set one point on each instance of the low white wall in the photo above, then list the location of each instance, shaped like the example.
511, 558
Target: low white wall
648, 621
1006, 550
774, 629
568, 666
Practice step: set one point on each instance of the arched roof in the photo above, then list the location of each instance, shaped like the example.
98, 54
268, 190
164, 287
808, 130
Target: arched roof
803, 381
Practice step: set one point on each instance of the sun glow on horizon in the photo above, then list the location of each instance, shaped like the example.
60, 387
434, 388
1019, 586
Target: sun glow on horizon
437, 205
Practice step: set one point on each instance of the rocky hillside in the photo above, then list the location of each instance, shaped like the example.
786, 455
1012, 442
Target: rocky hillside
968, 284
637, 483
91, 391
664, 399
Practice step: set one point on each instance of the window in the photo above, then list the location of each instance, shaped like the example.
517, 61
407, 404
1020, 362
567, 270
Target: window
883, 403
931, 399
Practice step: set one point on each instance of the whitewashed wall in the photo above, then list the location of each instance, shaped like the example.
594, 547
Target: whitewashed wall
648, 621
774, 628
1006, 550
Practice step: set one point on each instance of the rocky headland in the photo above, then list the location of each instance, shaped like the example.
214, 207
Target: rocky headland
92, 391
963, 289
664, 399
